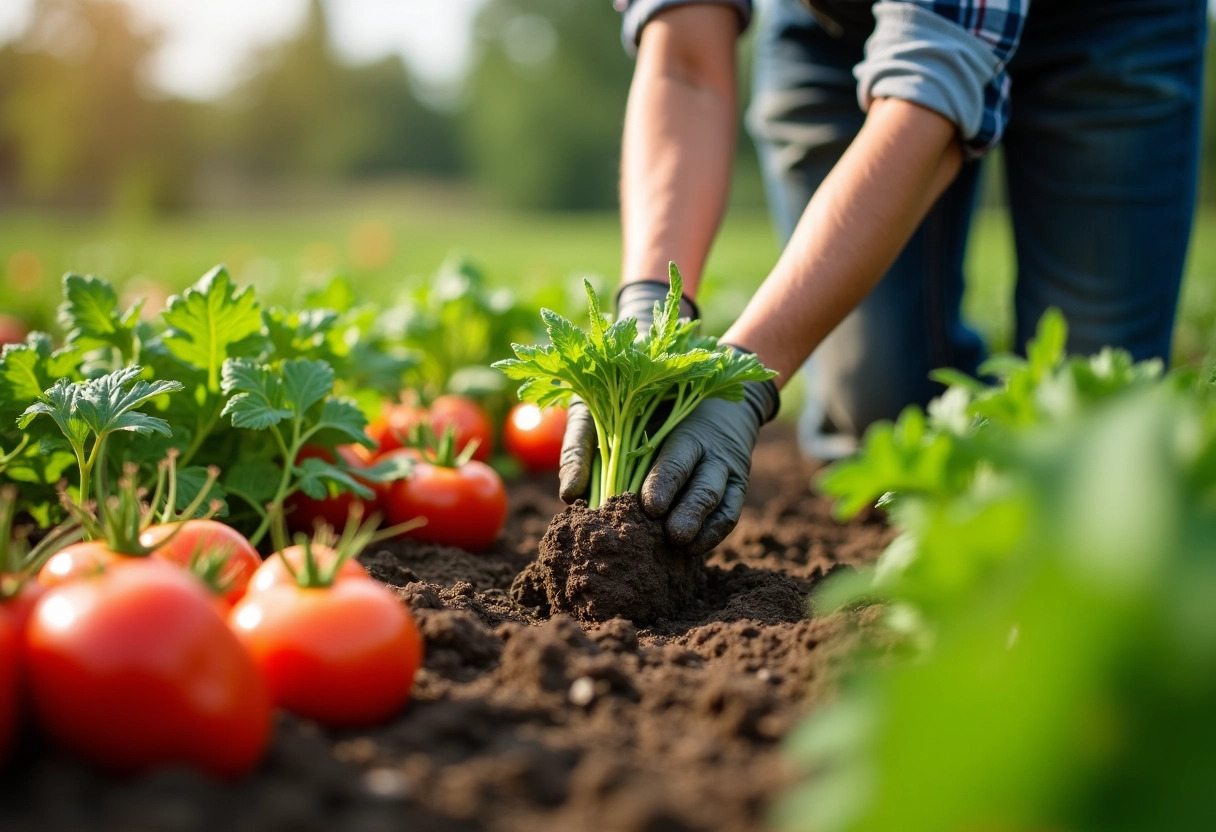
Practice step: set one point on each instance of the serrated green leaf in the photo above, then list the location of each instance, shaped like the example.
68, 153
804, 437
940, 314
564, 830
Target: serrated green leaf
210, 320
315, 475
340, 421
106, 404
90, 316
255, 394
305, 383
27, 369
390, 469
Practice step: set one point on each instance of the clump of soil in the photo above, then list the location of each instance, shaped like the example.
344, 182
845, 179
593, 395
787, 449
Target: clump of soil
610, 562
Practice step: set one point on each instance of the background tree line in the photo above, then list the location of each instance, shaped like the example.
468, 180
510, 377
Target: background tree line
537, 125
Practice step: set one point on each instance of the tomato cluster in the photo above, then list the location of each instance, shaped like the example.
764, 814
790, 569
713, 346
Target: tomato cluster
132, 662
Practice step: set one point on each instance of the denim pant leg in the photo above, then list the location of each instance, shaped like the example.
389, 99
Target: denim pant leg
1102, 152
803, 116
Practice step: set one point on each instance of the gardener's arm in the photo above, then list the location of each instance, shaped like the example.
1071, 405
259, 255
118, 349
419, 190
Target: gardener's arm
856, 224
853, 228
679, 141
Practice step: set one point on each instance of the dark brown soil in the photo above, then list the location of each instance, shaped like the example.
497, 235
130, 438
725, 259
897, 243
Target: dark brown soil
610, 562
522, 720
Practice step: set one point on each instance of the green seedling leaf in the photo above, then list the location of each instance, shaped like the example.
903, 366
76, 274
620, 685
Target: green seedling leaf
339, 421
256, 394
210, 323
315, 475
90, 315
305, 383
26, 370
625, 380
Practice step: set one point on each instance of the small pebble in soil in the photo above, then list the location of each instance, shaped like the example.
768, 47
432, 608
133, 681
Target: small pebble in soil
582, 691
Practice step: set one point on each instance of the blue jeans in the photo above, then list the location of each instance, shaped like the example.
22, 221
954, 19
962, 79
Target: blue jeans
1101, 161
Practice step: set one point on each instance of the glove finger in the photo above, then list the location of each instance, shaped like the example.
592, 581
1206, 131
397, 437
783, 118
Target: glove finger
701, 496
721, 521
671, 469
578, 447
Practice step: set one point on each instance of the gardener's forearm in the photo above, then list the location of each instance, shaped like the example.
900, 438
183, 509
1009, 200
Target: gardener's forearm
679, 141
902, 160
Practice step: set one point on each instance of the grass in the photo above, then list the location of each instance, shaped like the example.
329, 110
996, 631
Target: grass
383, 246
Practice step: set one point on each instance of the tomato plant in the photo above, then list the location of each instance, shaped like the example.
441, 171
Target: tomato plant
534, 436
134, 668
463, 501
303, 512
333, 644
470, 421
345, 654
282, 567
212, 550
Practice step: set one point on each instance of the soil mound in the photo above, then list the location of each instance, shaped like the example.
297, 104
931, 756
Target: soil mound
610, 562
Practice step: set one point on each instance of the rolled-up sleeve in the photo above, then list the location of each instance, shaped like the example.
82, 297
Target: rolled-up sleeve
637, 13
948, 56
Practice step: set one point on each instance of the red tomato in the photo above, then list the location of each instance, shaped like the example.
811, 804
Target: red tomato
10, 689
22, 604
12, 330
273, 573
534, 436
74, 561
333, 511
463, 506
470, 420
343, 655
392, 428
134, 668
207, 538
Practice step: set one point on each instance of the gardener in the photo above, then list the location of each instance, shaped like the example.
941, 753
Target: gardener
870, 122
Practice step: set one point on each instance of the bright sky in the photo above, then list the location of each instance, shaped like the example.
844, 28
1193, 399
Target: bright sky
207, 43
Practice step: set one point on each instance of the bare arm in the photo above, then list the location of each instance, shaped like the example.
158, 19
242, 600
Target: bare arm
679, 141
859, 219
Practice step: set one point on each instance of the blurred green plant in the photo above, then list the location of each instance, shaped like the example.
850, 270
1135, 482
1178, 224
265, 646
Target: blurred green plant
1055, 566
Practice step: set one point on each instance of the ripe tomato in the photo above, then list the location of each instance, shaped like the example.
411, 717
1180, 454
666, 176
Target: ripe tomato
392, 428
10, 690
534, 436
134, 668
74, 561
207, 539
463, 506
273, 573
334, 511
22, 604
470, 420
343, 655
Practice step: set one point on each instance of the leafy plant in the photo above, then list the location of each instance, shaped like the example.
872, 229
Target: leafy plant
627, 382
252, 381
1054, 563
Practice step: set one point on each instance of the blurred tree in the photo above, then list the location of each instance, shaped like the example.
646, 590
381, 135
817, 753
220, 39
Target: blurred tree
546, 98
304, 112
76, 121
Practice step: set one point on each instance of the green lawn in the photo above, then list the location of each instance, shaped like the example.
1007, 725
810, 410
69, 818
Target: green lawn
383, 246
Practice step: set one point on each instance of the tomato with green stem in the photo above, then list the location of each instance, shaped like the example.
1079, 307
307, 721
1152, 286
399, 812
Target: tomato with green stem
212, 550
340, 650
534, 436
470, 421
134, 668
282, 567
464, 501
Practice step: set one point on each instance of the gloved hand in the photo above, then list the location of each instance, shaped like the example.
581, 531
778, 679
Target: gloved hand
699, 476
633, 300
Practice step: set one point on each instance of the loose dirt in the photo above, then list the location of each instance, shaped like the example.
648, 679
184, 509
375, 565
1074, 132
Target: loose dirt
655, 714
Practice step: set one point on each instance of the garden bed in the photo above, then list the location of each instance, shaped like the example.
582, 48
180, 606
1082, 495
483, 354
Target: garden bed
522, 723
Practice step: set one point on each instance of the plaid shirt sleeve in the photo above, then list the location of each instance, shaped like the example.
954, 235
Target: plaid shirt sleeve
637, 13
997, 26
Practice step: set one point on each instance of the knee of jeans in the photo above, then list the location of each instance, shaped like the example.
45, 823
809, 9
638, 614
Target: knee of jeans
856, 394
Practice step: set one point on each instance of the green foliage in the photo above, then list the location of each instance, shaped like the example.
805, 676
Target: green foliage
627, 382
1055, 563
257, 384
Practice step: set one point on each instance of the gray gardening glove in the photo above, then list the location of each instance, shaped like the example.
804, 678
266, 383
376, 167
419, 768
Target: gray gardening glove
633, 300
700, 474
